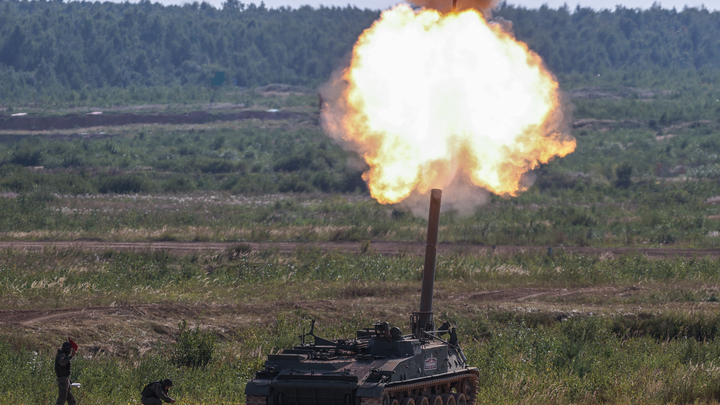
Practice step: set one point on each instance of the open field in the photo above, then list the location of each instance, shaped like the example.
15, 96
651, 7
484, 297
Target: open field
384, 248
566, 328
247, 229
645, 174
175, 228
669, 214
114, 229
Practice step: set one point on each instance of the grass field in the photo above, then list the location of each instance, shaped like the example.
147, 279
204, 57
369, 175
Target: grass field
683, 214
645, 173
542, 329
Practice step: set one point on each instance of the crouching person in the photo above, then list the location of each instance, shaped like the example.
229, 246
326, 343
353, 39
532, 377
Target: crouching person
156, 392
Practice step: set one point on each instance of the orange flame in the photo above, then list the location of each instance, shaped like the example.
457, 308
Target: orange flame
445, 6
432, 96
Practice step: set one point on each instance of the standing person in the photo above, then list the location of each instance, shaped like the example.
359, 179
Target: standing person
62, 370
156, 392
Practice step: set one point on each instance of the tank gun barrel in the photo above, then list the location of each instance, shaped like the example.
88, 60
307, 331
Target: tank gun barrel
423, 318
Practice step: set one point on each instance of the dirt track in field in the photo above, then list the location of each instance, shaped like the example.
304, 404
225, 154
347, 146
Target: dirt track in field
137, 328
378, 247
114, 118
46, 317
127, 328
31, 123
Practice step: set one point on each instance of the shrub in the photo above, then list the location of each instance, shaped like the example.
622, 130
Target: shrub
18, 182
194, 348
665, 327
177, 184
251, 183
624, 174
27, 157
237, 251
72, 160
293, 163
215, 166
294, 184
324, 181
548, 181
122, 184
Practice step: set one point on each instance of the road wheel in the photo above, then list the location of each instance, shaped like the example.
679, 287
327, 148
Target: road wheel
422, 400
436, 400
407, 401
460, 399
448, 399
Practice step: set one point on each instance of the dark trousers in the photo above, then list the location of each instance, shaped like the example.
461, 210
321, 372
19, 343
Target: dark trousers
64, 393
151, 401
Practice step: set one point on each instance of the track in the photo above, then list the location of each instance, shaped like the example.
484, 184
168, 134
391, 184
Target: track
379, 247
70, 121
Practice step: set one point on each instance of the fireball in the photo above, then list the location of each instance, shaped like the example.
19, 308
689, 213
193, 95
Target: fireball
431, 97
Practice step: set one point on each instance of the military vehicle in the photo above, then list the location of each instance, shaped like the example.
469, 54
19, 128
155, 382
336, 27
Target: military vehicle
381, 365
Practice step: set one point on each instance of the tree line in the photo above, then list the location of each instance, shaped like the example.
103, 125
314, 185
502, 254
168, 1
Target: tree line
589, 41
55, 47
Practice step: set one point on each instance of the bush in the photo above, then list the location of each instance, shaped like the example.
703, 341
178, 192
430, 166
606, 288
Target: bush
666, 327
122, 184
252, 183
324, 181
294, 184
18, 180
27, 157
548, 181
194, 348
624, 174
238, 251
215, 166
293, 163
178, 184
72, 160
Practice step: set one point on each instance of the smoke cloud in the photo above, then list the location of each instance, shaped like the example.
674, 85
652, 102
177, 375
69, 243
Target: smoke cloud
459, 196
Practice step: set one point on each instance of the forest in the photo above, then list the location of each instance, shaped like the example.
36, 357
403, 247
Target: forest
54, 52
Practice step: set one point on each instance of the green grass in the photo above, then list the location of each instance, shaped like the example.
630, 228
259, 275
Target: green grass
645, 215
582, 329
646, 178
61, 278
611, 351
533, 358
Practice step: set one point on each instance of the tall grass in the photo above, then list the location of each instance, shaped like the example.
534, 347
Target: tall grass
616, 353
679, 214
579, 360
59, 278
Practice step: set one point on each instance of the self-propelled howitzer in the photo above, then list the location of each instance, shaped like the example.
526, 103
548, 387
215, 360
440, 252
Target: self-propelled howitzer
380, 366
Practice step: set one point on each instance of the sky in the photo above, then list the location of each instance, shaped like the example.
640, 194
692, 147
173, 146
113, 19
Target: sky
383, 4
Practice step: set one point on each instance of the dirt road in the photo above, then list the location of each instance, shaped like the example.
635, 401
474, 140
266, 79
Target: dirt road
31, 123
128, 328
378, 247
70, 121
136, 328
